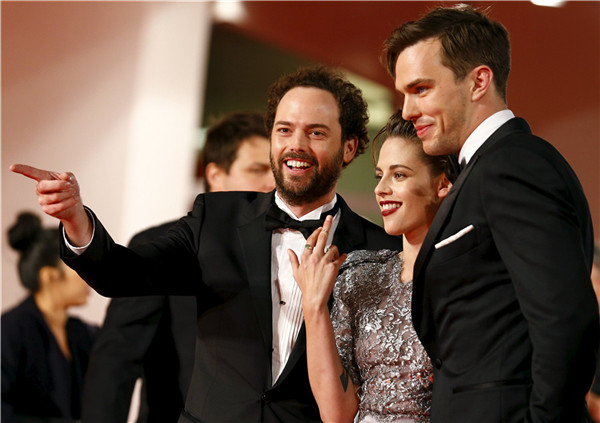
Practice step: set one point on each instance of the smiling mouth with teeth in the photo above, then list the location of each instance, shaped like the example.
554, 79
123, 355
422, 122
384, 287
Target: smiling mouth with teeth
390, 206
297, 164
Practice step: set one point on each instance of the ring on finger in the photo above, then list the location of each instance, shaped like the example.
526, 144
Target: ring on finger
308, 247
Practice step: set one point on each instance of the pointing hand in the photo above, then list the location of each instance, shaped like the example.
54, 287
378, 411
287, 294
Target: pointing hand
58, 194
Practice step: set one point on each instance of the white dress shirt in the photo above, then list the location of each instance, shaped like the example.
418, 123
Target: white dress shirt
482, 133
286, 297
79, 250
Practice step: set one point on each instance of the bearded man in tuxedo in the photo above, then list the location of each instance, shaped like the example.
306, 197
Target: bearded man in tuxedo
250, 363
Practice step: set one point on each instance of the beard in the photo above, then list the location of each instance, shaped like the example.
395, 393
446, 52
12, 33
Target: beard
298, 190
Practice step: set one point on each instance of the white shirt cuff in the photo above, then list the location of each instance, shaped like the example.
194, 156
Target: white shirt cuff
79, 250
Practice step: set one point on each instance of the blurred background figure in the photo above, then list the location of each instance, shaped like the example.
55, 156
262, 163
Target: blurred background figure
45, 352
236, 154
593, 397
153, 337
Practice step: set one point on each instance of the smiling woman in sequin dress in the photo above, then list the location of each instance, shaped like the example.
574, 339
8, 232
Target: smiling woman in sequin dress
365, 357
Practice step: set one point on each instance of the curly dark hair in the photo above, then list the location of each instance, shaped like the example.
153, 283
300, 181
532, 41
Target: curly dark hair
353, 108
398, 127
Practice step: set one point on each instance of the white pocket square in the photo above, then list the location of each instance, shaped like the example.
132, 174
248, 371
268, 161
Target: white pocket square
454, 237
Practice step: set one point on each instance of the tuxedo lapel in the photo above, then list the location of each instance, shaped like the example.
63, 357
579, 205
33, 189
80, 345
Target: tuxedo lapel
440, 218
255, 244
512, 125
420, 314
348, 233
297, 352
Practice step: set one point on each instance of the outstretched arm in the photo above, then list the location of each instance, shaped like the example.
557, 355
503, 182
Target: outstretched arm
58, 194
329, 380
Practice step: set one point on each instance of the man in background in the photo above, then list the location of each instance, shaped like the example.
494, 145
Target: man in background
153, 337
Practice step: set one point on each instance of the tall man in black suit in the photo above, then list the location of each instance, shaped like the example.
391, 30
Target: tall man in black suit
250, 349
153, 337
502, 296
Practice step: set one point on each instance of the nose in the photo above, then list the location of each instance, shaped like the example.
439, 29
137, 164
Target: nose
298, 141
382, 188
409, 109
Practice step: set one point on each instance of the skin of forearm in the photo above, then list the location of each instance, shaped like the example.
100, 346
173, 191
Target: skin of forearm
331, 385
78, 229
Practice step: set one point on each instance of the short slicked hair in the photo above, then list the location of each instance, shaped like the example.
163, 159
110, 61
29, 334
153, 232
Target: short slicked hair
468, 39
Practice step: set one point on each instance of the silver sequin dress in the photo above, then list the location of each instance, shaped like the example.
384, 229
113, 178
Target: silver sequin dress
376, 340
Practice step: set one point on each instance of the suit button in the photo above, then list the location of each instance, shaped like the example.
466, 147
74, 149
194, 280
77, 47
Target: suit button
437, 363
264, 399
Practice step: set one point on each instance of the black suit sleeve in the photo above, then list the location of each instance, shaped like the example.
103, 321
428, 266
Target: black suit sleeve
536, 213
166, 265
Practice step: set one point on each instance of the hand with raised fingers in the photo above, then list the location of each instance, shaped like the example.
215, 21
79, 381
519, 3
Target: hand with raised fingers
318, 270
59, 197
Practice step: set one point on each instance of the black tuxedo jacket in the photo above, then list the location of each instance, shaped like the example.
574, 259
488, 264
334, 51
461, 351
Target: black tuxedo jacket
149, 337
505, 308
224, 244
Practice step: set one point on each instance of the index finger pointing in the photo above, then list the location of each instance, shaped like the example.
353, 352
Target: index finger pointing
34, 172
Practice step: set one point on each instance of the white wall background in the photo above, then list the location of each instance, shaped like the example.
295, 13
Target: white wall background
110, 91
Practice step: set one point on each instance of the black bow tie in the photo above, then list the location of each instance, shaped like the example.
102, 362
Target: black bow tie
278, 219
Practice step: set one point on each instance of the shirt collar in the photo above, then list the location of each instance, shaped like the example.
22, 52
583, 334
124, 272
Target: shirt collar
482, 133
315, 214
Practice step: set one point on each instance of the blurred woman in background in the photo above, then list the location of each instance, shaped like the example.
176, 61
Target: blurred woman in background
44, 350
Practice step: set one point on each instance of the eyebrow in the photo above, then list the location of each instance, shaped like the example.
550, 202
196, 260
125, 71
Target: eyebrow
420, 81
310, 126
393, 167
318, 125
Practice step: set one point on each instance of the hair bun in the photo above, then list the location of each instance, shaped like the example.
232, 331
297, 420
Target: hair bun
24, 231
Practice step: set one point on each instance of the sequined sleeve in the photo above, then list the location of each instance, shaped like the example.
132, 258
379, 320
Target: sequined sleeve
342, 328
